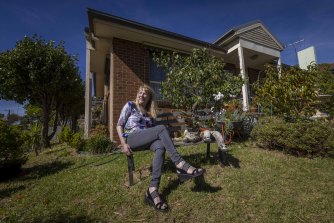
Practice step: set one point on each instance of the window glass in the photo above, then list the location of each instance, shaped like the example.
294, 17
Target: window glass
156, 75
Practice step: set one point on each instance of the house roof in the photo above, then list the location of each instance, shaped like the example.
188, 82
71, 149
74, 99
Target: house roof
94, 14
259, 33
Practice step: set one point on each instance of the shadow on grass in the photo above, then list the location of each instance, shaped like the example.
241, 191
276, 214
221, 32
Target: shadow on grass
43, 170
97, 162
229, 160
200, 184
66, 218
197, 160
8, 192
63, 148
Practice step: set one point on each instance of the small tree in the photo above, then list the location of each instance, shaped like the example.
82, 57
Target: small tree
288, 92
193, 79
12, 154
325, 82
34, 137
41, 73
33, 114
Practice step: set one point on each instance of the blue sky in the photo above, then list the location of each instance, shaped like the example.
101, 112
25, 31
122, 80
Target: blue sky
288, 20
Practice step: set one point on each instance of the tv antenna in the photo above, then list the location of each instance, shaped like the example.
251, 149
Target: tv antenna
294, 46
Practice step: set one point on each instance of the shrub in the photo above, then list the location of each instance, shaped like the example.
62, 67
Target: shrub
76, 141
33, 137
12, 154
302, 137
73, 139
65, 135
98, 144
99, 130
289, 91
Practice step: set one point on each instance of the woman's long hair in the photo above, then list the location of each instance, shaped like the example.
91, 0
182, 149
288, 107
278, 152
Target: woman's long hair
151, 106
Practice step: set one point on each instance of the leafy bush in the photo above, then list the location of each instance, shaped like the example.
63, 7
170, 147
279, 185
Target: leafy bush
76, 141
100, 130
325, 81
99, 141
290, 91
12, 154
98, 144
33, 137
73, 139
302, 137
65, 136
202, 71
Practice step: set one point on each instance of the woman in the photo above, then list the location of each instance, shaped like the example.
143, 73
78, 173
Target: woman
136, 130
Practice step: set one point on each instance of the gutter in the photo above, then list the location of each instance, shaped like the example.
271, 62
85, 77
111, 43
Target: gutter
94, 14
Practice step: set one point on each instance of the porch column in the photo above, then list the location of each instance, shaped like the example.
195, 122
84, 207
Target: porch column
245, 100
105, 97
88, 92
279, 66
111, 95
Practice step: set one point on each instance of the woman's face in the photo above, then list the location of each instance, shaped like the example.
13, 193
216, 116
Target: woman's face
142, 97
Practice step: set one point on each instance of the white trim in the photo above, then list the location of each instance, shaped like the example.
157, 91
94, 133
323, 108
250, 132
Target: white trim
235, 47
148, 44
89, 45
259, 48
159, 38
245, 102
88, 92
111, 91
279, 66
247, 28
156, 82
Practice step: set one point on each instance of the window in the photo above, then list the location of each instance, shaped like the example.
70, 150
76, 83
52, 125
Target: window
156, 76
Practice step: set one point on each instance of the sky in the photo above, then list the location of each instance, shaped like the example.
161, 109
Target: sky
64, 20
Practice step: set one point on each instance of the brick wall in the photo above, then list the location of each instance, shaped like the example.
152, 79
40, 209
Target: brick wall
130, 63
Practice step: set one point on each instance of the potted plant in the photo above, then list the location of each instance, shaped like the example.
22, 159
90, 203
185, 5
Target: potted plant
232, 105
230, 121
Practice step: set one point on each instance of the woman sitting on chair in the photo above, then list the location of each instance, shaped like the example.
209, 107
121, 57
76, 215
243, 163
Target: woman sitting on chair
136, 131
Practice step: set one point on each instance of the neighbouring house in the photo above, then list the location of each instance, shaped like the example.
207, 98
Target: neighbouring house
119, 59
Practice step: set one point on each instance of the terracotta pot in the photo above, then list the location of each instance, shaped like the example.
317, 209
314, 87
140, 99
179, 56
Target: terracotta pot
231, 107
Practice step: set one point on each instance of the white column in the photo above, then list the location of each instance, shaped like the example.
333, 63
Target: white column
88, 93
245, 101
279, 66
111, 94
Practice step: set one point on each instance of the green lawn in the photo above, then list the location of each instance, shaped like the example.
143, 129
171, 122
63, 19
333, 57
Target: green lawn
253, 186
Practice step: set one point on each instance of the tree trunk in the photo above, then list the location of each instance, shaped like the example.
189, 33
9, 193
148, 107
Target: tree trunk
46, 119
55, 125
74, 122
35, 148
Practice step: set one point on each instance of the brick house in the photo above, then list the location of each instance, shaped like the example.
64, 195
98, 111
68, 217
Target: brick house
119, 59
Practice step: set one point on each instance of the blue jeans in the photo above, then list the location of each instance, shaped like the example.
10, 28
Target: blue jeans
159, 141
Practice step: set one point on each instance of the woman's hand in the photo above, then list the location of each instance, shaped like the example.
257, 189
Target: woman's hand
126, 149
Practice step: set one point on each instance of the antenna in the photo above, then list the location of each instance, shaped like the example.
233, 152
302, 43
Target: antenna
294, 46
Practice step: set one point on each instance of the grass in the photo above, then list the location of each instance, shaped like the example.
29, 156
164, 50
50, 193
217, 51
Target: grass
254, 185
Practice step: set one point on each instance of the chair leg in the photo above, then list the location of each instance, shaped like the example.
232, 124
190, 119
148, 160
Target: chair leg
220, 152
208, 151
131, 168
